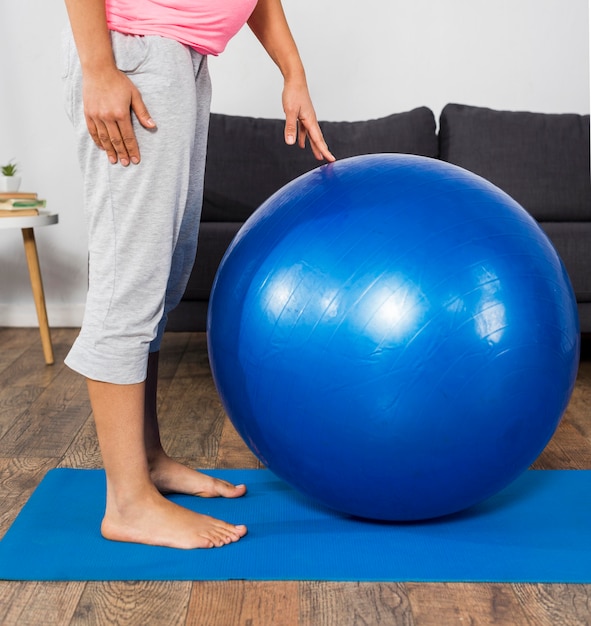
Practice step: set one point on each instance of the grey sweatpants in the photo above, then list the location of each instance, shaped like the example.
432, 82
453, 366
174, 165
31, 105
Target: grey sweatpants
143, 220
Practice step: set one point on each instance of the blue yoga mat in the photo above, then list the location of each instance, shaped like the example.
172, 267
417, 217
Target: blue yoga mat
536, 530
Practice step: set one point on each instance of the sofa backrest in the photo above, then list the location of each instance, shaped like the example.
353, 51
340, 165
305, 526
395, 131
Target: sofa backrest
540, 159
248, 160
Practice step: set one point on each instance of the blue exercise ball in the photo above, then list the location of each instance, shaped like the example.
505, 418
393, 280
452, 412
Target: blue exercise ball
393, 336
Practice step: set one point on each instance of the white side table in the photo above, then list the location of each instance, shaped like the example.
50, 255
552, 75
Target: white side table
26, 224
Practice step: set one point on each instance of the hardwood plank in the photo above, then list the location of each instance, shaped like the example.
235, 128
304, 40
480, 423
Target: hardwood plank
26, 377
30, 368
20, 475
48, 425
335, 604
233, 452
133, 604
578, 411
195, 430
14, 402
174, 346
9, 509
556, 605
248, 603
36, 604
14, 597
447, 604
84, 451
191, 415
568, 449
15, 342
18, 479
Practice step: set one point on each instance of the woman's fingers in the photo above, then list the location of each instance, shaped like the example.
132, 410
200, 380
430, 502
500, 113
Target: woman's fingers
108, 108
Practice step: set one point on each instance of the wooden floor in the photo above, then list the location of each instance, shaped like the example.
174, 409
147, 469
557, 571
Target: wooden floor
45, 421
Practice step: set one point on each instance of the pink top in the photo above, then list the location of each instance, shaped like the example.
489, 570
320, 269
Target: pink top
206, 25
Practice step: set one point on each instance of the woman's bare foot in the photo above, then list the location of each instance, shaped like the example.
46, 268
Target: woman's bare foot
154, 520
169, 476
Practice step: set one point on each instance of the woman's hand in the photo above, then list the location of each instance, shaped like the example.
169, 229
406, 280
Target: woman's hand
269, 25
109, 95
301, 122
109, 100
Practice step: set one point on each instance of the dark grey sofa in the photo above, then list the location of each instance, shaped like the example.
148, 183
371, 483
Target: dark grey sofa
542, 160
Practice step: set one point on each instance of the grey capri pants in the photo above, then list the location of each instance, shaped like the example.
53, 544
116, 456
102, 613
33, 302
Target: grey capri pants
142, 220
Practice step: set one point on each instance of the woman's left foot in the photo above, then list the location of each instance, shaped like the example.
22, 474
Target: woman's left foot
170, 476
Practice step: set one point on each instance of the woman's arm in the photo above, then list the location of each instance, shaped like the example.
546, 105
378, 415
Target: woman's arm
270, 26
109, 95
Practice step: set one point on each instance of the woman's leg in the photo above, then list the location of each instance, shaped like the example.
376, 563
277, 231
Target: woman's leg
168, 475
134, 218
135, 510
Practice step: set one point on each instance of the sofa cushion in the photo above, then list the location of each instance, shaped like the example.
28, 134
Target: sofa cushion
214, 238
540, 159
572, 242
248, 160
218, 207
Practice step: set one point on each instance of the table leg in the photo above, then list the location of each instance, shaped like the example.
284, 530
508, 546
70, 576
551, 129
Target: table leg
38, 295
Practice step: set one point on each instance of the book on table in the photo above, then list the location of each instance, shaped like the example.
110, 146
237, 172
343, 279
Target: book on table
18, 195
20, 204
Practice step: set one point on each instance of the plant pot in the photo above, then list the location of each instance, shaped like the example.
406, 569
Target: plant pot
10, 183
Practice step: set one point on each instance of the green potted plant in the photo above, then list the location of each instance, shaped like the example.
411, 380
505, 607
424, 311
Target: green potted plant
9, 181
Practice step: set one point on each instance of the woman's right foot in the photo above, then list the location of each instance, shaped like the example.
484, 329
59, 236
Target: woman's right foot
154, 520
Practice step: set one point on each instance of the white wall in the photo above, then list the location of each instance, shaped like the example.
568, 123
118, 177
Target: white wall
364, 59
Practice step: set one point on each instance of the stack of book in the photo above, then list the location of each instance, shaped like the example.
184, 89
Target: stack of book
19, 204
